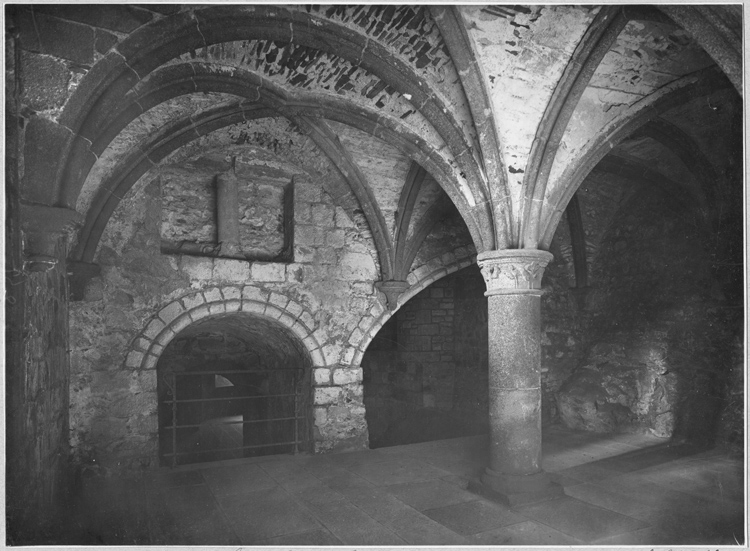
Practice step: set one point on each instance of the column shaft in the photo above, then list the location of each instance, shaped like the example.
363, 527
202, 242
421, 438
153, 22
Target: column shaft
514, 475
227, 213
514, 384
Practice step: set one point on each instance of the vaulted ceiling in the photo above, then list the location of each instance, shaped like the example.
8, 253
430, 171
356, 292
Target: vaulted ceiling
414, 118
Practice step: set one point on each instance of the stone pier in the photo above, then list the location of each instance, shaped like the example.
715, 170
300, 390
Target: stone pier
515, 474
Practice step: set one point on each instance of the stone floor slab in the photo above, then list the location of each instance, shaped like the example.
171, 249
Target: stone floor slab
473, 517
430, 495
265, 514
580, 520
353, 526
237, 479
386, 473
524, 533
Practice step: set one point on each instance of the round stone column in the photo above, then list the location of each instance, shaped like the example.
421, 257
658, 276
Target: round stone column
515, 474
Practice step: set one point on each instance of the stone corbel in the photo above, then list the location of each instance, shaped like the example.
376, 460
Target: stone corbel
513, 271
42, 228
392, 289
79, 275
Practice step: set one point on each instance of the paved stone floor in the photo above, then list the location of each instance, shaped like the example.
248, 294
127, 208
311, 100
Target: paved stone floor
620, 490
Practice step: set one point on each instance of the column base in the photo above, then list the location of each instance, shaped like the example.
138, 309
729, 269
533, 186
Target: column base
515, 490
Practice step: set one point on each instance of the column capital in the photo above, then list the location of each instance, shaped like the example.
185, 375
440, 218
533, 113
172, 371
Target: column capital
513, 271
392, 289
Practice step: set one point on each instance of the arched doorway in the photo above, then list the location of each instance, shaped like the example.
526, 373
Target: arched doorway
231, 386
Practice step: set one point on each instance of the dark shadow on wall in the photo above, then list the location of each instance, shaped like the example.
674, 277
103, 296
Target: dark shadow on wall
663, 331
425, 372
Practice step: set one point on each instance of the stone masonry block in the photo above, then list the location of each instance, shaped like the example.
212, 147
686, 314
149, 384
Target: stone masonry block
231, 293
134, 359
310, 342
307, 192
448, 258
157, 348
193, 301
253, 307
181, 323
347, 376
366, 322
232, 305
150, 362
300, 330
262, 271
170, 312
154, 328
336, 239
213, 295
304, 255
327, 395
307, 319
317, 357
356, 337
332, 353
273, 312
322, 214
279, 300
231, 270
200, 312
141, 344
197, 267
349, 355
216, 308
250, 292
321, 416
322, 376
302, 214
294, 308
321, 334
342, 219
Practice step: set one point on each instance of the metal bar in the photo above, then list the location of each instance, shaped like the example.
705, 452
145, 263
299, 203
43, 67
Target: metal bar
233, 422
296, 422
237, 371
231, 449
230, 398
174, 420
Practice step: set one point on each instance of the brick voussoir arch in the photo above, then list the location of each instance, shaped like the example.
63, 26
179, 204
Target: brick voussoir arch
178, 314
436, 268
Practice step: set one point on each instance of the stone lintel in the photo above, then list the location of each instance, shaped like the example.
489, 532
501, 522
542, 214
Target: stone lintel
513, 271
392, 289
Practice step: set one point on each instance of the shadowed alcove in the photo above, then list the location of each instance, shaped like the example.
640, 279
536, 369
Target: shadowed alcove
232, 386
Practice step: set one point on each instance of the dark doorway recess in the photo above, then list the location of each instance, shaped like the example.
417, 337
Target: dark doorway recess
233, 386
425, 372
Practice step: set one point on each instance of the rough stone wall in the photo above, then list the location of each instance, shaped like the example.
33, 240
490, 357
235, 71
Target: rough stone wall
113, 392
37, 408
36, 361
562, 345
659, 330
425, 372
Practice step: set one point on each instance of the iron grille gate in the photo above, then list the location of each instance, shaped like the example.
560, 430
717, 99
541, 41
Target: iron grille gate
268, 405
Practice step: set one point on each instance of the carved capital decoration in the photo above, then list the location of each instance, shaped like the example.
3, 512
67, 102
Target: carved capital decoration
392, 289
513, 271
